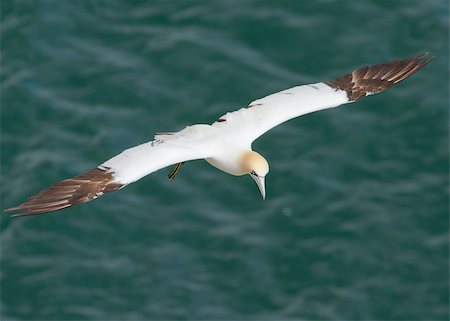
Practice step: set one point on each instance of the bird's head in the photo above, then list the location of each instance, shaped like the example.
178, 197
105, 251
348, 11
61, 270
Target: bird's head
257, 167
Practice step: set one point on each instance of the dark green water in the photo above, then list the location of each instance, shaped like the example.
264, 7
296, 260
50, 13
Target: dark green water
355, 225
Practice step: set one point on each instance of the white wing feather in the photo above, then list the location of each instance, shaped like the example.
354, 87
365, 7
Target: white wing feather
233, 132
263, 114
139, 161
125, 168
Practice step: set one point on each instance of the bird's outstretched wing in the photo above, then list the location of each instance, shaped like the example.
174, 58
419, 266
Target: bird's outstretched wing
125, 168
263, 114
246, 124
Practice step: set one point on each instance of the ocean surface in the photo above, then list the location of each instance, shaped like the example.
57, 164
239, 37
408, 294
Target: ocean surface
355, 225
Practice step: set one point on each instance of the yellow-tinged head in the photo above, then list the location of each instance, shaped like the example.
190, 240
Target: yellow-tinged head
252, 161
257, 166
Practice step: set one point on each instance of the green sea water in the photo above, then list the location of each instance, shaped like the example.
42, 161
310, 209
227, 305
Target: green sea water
355, 225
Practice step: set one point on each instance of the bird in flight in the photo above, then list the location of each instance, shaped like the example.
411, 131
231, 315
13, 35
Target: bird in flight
227, 143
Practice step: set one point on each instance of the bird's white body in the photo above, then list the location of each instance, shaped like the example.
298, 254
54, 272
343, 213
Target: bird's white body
223, 143
226, 144
228, 160
164, 150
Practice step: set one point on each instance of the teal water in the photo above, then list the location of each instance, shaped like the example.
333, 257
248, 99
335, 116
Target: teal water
355, 225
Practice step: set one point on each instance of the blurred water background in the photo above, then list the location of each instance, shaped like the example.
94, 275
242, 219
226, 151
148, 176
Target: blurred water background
355, 225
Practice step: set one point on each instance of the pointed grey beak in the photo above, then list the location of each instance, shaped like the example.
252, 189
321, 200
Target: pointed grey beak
261, 185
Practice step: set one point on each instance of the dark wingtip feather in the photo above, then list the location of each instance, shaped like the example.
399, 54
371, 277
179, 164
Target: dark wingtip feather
69, 192
374, 79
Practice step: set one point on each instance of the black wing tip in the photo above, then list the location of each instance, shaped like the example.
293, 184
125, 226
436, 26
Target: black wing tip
27, 214
13, 209
426, 53
373, 79
29, 211
424, 58
69, 192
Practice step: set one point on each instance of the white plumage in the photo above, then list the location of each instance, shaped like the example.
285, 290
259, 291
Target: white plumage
265, 113
193, 142
226, 144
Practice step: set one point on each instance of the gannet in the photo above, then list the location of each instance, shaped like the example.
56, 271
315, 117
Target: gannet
227, 143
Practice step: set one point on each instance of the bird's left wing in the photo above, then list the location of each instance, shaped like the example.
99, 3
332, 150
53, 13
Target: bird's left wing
263, 114
119, 171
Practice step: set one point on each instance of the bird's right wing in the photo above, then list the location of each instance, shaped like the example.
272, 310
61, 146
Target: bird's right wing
119, 171
263, 114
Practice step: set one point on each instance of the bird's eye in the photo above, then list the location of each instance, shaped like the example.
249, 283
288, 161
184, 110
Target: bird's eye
253, 173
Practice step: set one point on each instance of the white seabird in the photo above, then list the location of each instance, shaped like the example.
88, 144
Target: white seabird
227, 143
